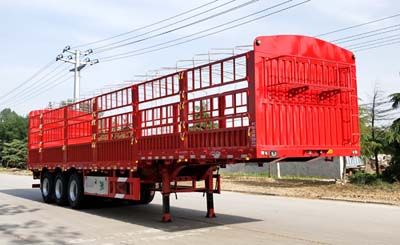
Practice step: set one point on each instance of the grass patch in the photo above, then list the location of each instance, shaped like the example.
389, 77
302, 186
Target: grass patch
366, 179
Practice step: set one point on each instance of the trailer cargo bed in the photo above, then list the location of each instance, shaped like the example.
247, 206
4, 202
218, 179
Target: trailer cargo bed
291, 97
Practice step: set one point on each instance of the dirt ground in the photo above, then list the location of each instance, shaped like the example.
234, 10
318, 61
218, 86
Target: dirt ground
313, 189
15, 171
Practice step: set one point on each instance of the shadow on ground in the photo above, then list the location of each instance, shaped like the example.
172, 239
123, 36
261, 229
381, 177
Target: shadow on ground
35, 232
143, 215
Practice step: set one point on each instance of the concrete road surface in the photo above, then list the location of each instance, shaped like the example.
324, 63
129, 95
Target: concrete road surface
242, 219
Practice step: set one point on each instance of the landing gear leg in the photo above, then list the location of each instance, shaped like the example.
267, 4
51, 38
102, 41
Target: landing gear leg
166, 190
210, 206
210, 196
166, 209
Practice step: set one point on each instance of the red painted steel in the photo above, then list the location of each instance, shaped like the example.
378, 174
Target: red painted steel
290, 97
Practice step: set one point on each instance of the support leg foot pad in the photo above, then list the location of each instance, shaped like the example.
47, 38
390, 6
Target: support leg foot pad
211, 214
166, 218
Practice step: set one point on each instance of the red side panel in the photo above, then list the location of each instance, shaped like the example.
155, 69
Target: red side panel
306, 98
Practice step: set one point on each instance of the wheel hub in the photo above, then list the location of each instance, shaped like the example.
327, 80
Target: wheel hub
59, 188
73, 191
45, 187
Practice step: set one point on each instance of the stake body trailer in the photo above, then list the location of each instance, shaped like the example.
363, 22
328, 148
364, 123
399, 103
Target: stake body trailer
290, 98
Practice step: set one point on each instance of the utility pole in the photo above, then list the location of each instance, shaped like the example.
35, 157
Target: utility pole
79, 59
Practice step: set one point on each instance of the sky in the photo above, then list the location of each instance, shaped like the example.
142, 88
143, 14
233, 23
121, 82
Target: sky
32, 33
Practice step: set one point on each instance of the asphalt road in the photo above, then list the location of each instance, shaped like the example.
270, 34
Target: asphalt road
242, 219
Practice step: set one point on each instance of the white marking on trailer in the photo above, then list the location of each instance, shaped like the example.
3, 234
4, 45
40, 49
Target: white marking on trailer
120, 196
181, 157
229, 156
159, 102
171, 157
217, 90
243, 156
122, 179
156, 157
202, 156
163, 157
149, 158
192, 156
143, 158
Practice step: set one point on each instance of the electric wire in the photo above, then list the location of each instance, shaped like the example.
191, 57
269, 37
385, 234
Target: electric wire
363, 35
29, 87
146, 26
41, 89
138, 51
374, 46
176, 28
358, 25
397, 36
163, 27
22, 84
48, 88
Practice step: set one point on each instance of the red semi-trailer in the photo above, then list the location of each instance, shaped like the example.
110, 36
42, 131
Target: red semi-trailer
290, 98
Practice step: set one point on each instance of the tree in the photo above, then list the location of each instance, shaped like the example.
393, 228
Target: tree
395, 99
12, 126
374, 138
14, 154
393, 135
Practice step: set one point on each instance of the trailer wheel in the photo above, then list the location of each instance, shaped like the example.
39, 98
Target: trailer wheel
75, 191
60, 189
147, 194
47, 187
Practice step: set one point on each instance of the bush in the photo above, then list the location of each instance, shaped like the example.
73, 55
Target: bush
392, 173
361, 178
14, 154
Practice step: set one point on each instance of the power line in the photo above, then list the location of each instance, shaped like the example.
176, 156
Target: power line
138, 51
146, 26
369, 47
53, 85
40, 90
180, 27
28, 88
41, 70
362, 35
165, 26
374, 40
358, 25
6, 95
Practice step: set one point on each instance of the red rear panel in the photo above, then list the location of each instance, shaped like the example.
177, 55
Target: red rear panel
306, 98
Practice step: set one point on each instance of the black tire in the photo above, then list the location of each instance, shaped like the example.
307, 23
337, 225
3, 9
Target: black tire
146, 194
60, 189
47, 187
75, 191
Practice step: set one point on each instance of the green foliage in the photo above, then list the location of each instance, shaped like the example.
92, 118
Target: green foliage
370, 145
14, 154
395, 99
361, 178
392, 173
12, 127
202, 113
